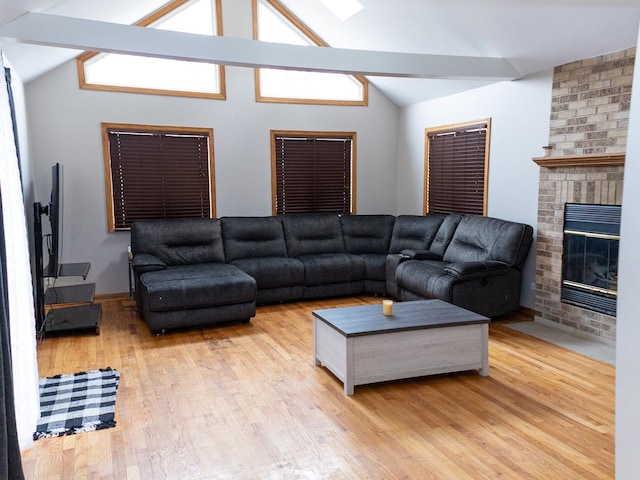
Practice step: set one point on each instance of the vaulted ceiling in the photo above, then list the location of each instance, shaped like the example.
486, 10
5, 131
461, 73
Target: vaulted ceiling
442, 47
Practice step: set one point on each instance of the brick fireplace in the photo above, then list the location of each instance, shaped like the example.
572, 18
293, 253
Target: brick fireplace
567, 180
589, 119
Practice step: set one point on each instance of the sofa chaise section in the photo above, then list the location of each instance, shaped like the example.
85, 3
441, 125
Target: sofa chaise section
181, 276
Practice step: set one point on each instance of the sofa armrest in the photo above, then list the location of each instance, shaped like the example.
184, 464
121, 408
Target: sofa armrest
145, 262
471, 270
420, 254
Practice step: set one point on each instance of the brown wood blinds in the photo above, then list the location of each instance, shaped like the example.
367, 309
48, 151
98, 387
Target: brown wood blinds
456, 170
158, 175
312, 174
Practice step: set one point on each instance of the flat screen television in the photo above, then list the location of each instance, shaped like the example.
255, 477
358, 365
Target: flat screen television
52, 240
54, 210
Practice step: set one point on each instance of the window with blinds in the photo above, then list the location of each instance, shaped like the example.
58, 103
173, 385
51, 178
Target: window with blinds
313, 173
456, 168
157, 173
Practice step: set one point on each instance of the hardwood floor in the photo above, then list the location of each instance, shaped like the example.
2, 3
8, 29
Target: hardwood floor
246, 402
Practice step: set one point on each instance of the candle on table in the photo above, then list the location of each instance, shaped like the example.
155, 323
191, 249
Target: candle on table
387, 307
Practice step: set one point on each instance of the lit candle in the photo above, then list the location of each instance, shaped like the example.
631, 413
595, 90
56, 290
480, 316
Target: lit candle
387, 307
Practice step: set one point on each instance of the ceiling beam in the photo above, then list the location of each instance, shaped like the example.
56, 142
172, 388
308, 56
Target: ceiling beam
90, 35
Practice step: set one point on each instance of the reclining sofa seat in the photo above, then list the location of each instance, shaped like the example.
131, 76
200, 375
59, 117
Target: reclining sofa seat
181, 276
413, 236
369, 236
259, 247
480, 269
316, 241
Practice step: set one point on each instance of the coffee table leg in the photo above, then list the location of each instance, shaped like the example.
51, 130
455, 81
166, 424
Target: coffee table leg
316, 362
484, 370
349, 381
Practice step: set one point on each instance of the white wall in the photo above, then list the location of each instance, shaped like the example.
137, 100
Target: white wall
64, 125
519, 113
628, 323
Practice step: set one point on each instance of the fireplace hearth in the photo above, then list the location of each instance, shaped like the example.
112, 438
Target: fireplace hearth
590, 256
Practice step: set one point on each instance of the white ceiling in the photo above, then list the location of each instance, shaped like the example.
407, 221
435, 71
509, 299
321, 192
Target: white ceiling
532, 35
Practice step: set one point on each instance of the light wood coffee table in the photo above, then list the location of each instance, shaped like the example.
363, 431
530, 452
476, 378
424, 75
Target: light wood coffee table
360, 345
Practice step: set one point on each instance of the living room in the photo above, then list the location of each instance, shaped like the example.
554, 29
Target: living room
52, 110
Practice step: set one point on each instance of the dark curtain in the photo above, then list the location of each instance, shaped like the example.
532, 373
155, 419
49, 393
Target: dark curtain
7, 77
10, 461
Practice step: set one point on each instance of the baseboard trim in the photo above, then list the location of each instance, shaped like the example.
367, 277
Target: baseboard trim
112, 296
529, 312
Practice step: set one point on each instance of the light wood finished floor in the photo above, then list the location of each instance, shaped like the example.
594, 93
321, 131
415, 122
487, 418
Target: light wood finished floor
246, 402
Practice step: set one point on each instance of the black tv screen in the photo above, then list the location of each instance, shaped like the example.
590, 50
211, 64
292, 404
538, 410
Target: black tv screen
54, 243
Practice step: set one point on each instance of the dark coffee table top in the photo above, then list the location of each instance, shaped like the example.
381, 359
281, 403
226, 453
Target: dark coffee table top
415, 315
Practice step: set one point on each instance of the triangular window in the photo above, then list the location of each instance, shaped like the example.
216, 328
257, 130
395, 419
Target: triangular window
273, 23
160, 76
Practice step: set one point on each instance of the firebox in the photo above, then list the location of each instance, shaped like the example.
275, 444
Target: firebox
590, 256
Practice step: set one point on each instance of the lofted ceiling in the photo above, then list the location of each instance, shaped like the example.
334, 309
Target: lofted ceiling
530, 35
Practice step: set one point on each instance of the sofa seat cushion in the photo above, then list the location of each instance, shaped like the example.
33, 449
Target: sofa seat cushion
427, 278
327, 268
374, 266
196, 286
273, 272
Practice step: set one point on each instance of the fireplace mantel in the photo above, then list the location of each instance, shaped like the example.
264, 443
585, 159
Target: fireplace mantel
587, 160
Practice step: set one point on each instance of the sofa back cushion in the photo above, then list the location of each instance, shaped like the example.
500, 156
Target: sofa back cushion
252, 237
484, 238
367, 233
185, 241
445, 234
307, 234
415, 232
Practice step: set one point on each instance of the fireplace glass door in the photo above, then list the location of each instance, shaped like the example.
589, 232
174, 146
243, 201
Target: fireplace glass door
591, 262
590, 257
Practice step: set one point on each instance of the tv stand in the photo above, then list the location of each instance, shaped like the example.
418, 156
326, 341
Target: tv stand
71, 307
74, 270
76, 318
70, 294
63, 309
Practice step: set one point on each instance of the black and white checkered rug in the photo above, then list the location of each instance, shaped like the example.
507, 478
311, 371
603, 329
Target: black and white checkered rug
76, 403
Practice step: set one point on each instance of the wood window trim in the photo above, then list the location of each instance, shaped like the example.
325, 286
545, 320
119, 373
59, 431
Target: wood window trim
301, 133
319, 42
144, 22
451, 127
106, 127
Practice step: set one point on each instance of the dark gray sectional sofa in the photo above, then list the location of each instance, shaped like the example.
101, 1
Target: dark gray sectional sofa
204, 271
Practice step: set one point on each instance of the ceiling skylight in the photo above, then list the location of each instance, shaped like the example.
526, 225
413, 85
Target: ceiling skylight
343, 9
